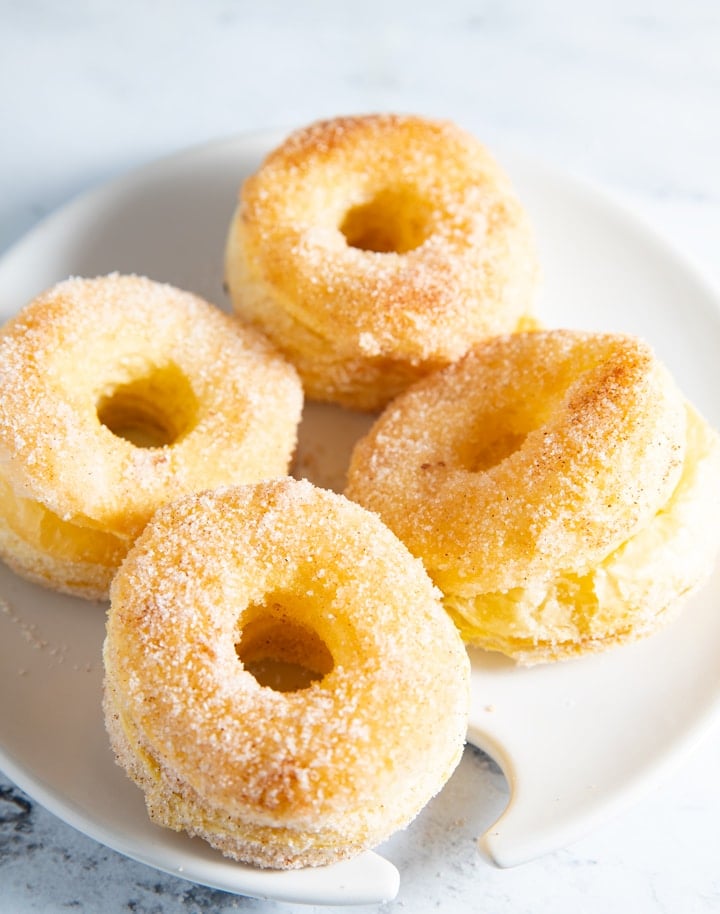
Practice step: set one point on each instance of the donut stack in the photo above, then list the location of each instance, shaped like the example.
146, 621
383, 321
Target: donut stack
223, 596
117, 395
374, 250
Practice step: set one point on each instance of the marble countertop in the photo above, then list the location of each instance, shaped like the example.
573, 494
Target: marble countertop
626, 94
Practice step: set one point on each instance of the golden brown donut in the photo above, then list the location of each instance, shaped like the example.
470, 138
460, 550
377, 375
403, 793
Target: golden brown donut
219, 591
375, 249
559, 489
118, 394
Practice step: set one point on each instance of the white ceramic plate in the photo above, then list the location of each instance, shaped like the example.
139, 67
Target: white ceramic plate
577, 741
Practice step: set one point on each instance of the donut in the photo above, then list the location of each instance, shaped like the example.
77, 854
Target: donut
375, 249
559, 488
117, 394
280, 676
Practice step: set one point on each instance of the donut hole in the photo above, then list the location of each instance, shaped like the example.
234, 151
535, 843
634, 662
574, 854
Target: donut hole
395, 220
153, 410
495, 437
500, 436
496, 449
280, 652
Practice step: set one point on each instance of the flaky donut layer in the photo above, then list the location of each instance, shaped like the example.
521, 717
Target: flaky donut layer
558, 488
281, 571
375, 249
118, 394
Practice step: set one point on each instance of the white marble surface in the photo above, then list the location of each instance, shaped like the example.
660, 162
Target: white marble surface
624, 93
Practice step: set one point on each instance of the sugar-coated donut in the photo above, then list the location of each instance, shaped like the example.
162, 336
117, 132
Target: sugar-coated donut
116, 395
375, 249
220, 588
559, 489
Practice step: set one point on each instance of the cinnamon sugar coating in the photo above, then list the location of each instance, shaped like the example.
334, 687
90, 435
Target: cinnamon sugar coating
118, 394
283, 571
559, 489
375, 249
